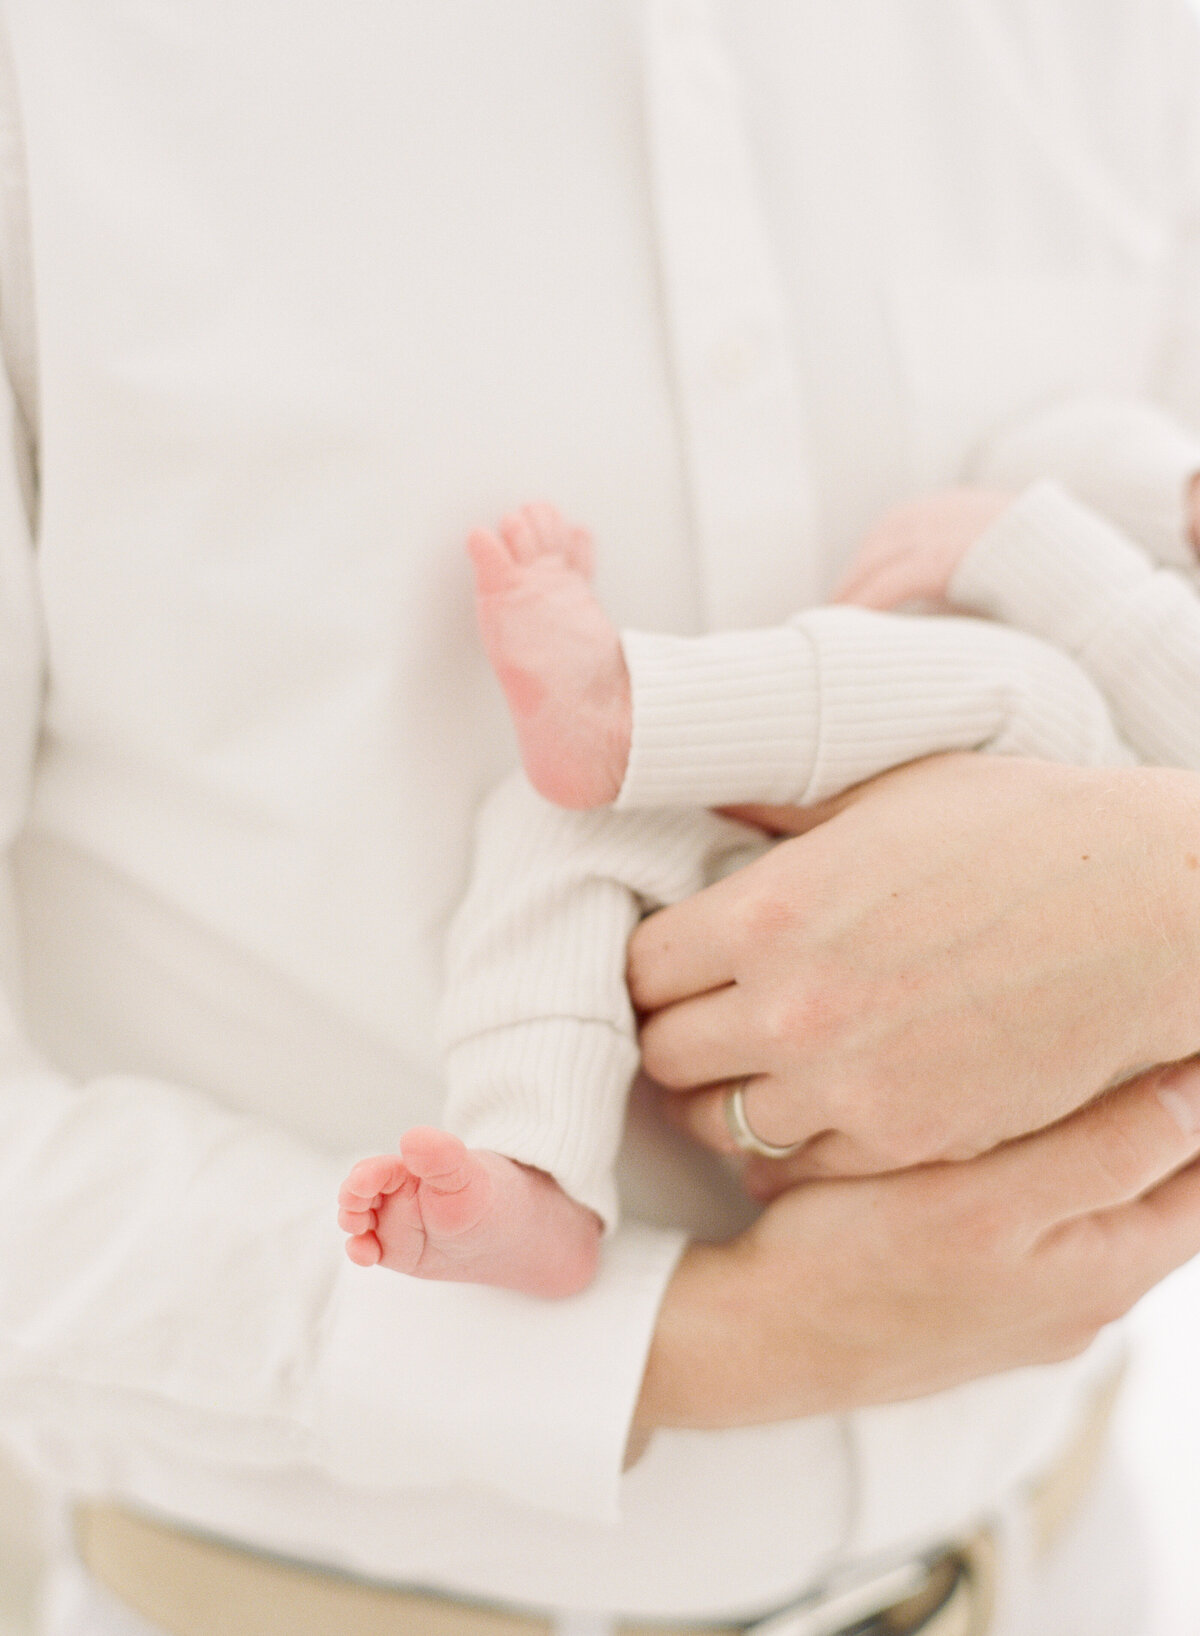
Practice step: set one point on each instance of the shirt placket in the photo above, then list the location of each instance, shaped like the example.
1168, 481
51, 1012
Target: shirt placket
732, 352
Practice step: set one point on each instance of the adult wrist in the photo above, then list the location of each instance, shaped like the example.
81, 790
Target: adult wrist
678, 1387
718, 1361
703, 1357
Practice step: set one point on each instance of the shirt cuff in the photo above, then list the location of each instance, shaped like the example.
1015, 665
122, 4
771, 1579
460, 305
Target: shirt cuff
1049, 566
432, 1385
718, 719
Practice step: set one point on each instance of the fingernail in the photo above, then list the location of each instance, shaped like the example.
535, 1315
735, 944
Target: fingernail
1179, 1093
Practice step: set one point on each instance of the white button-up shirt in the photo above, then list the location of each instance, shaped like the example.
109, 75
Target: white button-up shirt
318, 287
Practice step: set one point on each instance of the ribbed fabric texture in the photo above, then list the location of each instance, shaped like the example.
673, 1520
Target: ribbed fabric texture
552, 1094
1051, 565
1126, 460
894, 688
537, 1022
727, 717
801, 712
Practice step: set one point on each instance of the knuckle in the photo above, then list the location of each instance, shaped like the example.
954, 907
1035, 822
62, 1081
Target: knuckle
763, 916
784, 1018
902, 1131
810, 1014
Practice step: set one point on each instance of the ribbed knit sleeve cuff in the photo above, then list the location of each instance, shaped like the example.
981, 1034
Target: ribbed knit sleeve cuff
549, 1094
1128, 460
721, 718
1050, 566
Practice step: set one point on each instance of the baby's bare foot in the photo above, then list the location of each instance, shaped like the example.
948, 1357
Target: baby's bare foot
556, 653
441, 1210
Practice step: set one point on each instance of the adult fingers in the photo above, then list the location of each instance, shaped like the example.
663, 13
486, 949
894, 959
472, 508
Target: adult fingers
1127, 1251
693, 946
822, 1154
684, 949
697, 1042
1163, 1228
703, 1115
1112, 1151
828, 1155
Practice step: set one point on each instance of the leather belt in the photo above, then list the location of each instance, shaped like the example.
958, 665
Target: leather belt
191, 1585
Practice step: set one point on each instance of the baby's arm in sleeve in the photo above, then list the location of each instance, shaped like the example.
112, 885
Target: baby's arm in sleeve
1052, 566
1129, 460
1108, 572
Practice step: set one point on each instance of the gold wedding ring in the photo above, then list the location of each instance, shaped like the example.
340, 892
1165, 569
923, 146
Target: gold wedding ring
739, 1126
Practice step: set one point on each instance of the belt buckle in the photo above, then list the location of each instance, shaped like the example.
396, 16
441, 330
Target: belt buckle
850, 1602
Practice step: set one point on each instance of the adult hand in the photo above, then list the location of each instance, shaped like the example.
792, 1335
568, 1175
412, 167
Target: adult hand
852, 1292
968, 949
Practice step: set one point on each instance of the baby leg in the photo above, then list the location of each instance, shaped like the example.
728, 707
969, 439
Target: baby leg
441, 1210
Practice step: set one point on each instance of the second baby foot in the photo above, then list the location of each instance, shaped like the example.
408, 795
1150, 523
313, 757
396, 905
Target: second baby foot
556, 653
441, 1210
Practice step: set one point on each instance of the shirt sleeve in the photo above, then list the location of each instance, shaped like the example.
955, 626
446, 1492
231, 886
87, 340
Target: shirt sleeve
1131, 459
172, 1275
1051, 566
1177, 383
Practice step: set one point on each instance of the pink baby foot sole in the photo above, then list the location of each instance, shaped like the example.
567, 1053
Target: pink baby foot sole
440, 1210
556, 654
